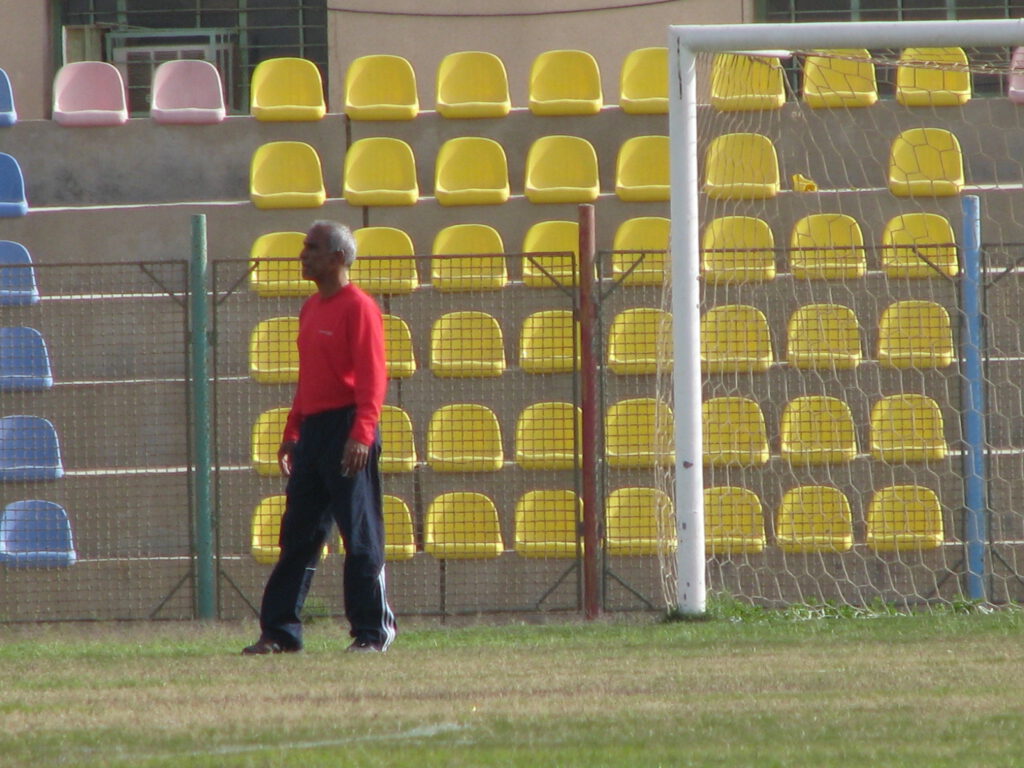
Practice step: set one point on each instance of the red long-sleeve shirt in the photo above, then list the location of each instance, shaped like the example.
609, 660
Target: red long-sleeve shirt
341, 361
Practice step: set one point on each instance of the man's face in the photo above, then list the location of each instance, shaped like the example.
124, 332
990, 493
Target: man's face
317, 259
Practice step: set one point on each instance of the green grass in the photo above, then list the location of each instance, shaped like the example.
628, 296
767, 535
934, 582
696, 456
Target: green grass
807, 687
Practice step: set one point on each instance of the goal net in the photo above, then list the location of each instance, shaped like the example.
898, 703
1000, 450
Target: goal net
846, 239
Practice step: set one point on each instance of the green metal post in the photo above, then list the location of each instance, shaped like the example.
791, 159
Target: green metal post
200, 386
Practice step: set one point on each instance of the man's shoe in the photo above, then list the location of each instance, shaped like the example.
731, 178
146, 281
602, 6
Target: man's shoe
262, 647
364, 646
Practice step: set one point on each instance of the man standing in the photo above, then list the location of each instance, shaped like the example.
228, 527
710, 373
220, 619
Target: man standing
330, 451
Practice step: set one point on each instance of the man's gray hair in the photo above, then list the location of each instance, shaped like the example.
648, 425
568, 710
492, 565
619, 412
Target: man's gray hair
339, 240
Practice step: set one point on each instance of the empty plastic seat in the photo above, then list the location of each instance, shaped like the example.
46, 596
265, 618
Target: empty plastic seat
639, 521
267, 434
286, 174
735, 338
276, 270
384, 263
471, 170
919, 245
399, 448
467, 345
840, 78
548, 436
13, 202
286, 89
642, 169
472, 84
17, 275
643, 82
547, 524
741, 82
814, 518
827, 246
741, 166
552, 251
464, 437
462, 525
472, 259
640, 251
399, 535
1015, 82
36, 534
29, 449
640, 341
265, 530
733, 521
380, 170
381, 87
400, 358
907, 428
823, 336
89, 93
926, 162
565, 82
24, 360
8, 112
561, 169
639, 433
273, 351
815, 429
904, 517
933, 77
915, 334
738, 249
550, 342
187, 91
733, 432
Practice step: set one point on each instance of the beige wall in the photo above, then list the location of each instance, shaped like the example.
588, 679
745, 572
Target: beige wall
26, 55
402, 27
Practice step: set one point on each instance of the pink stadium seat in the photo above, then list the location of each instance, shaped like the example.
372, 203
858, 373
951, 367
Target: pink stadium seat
1015, 86
89, 93
187, 91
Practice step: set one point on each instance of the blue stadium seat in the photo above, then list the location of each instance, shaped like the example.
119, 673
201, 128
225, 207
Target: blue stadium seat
36, 534
29, 449
12, 188
17, 276
24, 360
8, 114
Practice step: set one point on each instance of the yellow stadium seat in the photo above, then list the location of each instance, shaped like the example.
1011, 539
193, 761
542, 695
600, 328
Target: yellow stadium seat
276, 271
814, 518
565, 82
733, 521
472, 84
550, 342
827, 246
734, 338
640, 251
561, 169
741, 82
640, 341
471, 170
919, 245
904, 517
464, 437
467, 344
286, 174
733, 433
472, 259
639, 434
273, 351
399, 536
267, 433
398, 447
400, 358
380, 170
643, 82
926, 162
286, 89
385, 263
738, 249
381, 87
548, 436
553, 249
547, 524
462, 525
907, 428
639, 521
933, 77
265, 530
642, 169
915, 334
817, 430
823, 336
840, 78
741, 166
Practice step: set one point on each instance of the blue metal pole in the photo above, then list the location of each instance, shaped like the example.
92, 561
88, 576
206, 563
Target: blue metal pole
973, 402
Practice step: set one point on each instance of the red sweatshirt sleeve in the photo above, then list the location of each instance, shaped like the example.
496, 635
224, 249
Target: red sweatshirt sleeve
371, 381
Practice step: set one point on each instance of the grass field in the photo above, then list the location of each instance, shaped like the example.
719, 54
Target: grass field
747, 688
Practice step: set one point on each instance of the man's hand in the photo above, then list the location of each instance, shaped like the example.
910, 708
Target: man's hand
354, 457
284, 457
